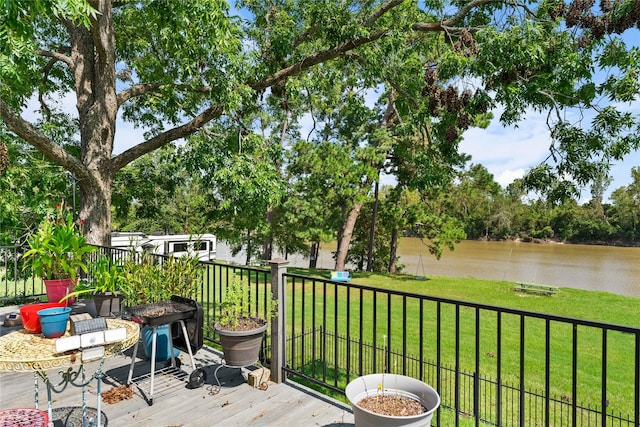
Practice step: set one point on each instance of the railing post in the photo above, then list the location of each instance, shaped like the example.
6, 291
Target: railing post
278, 338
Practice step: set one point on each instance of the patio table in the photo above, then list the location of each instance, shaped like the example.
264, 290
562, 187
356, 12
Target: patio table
21, 351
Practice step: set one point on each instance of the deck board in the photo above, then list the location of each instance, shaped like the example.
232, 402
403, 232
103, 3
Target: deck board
237, 403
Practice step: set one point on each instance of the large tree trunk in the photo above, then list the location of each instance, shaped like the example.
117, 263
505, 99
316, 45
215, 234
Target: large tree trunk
345, 237
313, 257
267, 244
247, 260
95, 210
93, 66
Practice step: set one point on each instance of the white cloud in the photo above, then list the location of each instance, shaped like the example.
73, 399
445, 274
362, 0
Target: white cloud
506, 177
509, 152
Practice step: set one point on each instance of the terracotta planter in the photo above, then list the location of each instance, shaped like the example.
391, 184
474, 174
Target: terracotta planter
58, 289
393, 384
241, 348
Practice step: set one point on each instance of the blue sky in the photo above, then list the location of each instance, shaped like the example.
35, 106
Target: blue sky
508, 152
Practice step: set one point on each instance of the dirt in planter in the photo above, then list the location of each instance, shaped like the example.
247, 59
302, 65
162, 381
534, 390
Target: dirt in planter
393, 405
246, 324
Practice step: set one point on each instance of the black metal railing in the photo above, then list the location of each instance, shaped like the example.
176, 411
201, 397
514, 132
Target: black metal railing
214, 280
560, 406
216, 277
495, 365
16, 284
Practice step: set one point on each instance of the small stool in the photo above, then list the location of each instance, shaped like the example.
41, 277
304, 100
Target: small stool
27, 417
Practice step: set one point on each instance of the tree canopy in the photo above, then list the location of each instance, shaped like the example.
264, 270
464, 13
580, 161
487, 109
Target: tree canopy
182, 68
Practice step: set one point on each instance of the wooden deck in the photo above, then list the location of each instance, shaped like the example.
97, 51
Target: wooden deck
236, 404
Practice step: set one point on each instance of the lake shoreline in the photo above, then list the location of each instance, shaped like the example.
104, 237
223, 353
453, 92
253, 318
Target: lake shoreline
556, 241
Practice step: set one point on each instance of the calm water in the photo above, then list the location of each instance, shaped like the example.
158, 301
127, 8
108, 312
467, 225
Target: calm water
602, 268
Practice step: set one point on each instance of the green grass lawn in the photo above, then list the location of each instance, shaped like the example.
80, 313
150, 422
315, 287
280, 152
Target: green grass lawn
574, 303
589, 305
334, 310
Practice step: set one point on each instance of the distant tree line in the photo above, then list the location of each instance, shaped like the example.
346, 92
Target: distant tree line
160, 193
491, 212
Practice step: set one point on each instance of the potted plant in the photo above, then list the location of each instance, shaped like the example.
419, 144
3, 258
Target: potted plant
240, 333
107, 283
387, 400
57, 253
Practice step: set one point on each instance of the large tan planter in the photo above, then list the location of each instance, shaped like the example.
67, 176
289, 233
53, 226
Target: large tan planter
374, 384
241, 348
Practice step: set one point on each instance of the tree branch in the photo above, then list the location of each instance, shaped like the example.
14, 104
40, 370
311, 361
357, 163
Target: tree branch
305, 36
146, 88
316, 59
464, 11
56, 55
136, 90
367, 22
27, 132
189, 128
381, 11
45, 77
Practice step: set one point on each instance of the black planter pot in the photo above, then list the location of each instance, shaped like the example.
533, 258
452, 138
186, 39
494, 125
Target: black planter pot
241, 348
106, 303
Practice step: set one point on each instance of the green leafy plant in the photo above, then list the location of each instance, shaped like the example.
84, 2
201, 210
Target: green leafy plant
105, 276
235, 308
151, 278
58, 248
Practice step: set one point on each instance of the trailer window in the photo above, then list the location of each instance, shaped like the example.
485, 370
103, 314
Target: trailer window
180, 247
200, 245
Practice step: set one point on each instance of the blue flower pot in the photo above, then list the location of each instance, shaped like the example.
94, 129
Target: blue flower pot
54, 321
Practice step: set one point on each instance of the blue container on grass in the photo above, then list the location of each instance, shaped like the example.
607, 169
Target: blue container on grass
54, 321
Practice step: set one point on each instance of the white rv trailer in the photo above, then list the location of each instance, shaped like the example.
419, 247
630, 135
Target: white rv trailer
204, 245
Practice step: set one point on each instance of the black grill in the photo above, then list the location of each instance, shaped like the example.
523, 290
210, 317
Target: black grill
170, 312
161, 313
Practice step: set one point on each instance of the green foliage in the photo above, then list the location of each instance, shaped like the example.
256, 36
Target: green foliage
153, 279
58, 249
241, 176
105, 276
27, 188
157, 193
487, 211
20, 23
236, 304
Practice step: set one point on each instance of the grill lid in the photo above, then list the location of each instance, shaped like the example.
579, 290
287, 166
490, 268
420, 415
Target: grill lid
163, 312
